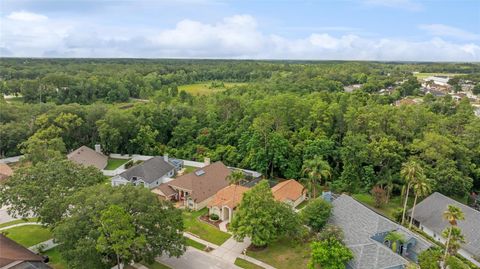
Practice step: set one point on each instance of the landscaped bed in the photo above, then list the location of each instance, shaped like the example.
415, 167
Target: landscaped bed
28, 235
115, 163
203, 230
283, 254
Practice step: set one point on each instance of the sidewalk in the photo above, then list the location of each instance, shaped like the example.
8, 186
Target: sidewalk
46, 245
20, 224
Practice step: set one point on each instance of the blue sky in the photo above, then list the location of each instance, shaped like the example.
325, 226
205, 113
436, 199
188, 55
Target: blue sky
407, 30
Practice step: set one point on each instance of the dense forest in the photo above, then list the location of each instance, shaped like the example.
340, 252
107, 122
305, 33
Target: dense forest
283, 114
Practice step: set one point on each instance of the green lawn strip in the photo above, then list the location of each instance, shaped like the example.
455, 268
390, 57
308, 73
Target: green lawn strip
56, 261
28, 235
246, 264
203, 230
284, 254
195, 244
13, 222
156, 265
115, 163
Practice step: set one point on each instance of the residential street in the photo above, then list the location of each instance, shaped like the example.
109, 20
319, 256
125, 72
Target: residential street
196, 259
4, 217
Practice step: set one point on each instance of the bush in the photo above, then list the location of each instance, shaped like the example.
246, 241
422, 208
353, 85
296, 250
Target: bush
330, 232
380, 196
214, 217
429, 258
455, 263
316, 214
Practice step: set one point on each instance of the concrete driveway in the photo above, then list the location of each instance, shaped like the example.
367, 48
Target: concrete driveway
196, 259
231, 249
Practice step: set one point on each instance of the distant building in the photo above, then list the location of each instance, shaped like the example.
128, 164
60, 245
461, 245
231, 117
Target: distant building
438, 80
365, 233
15, 256
351, 88
428, 216
89, 157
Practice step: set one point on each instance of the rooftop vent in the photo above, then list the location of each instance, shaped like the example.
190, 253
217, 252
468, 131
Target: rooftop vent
199, 172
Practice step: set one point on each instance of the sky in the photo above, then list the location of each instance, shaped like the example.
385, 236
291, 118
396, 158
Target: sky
384, 30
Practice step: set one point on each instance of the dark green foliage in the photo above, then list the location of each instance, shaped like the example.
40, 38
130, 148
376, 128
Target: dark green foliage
430, 259
316, 213
455, 263
329, 254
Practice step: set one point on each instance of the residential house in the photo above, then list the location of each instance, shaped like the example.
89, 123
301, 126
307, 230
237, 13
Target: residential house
15, 256
365, 231
196, 189
438, 80
5, 171
224, 203
150, 173
428, 216
89, 157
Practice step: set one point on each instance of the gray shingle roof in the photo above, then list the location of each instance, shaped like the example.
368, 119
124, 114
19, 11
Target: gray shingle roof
149, 171
429, 213
359, 224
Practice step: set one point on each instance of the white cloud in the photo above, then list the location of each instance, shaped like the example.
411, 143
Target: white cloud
236, 37
26, 16
410, 5
448, 31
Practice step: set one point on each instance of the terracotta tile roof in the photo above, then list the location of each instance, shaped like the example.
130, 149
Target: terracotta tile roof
12, 252
204, 182
224, 197
288, 190
5, 171
88, 157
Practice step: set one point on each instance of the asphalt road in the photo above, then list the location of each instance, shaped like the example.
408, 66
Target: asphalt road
4, 217
196, 259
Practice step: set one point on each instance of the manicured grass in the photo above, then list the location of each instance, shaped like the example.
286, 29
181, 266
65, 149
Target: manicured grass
284, 254
28, 235
189, 169
56, 260
205, 88
156, 265
246, 264
13, 222
387, 210
115, 163
195, 244
203, 230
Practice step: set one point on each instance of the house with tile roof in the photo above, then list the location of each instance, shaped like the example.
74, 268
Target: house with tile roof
89, 157
224, 203
428, 216
150, 173
196, 189
365, 232
16, 256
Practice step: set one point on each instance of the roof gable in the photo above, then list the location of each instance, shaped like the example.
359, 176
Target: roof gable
88, 157
149, 171
11, 252
288, 190
225, 196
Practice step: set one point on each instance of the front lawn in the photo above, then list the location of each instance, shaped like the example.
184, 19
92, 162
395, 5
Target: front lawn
283, 254
203, 230
246, 264
28, 235
195, 244
115, 163
56, 261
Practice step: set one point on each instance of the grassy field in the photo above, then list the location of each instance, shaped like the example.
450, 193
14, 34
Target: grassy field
284, 254
56, 261
28, 235
205, 88
195, 244
426, 75
115, 163
246, 264
203, 230
10, 223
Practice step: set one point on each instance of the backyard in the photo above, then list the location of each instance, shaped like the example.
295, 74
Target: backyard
28, 235
388, 209
203, 230
283, 254
115, 163
55, 259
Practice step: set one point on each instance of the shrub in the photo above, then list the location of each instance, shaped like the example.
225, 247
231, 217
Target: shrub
380, 196
455, 263
330, 232
316, 214
214, 217
429, 258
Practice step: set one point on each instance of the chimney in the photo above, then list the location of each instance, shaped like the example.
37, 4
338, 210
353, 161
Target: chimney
206, 161
165, 157
98, 148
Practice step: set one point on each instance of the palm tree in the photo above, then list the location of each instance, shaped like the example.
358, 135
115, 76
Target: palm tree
395, 237
410, 172
456, 238
235, 178
452, 215
422, 188
316, 169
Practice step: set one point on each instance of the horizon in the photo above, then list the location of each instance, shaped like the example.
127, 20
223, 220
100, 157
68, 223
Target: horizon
353, 30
